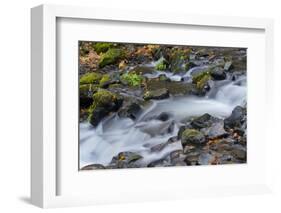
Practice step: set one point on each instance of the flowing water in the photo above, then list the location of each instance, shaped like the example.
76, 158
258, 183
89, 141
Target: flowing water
114, 135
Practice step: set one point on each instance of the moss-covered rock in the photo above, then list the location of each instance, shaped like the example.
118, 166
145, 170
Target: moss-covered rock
90, 78
132, 79
177, 60
201, 79
174, 88
192, 137
110, 57
156, 94
102, 47
105, 80
86, 92
104, 102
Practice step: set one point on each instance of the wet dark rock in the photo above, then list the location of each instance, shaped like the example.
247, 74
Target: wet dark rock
202, 121
192, 158
236, 119
130, 110
104, 103
192, 137
216, 130
86, 92
156, 94
218, 73
163, 116
178, 158
157, 128
125, 160
161, 146
164, 162
189, 148
174, 88
239, 152
93, 167
206, 158
223, 145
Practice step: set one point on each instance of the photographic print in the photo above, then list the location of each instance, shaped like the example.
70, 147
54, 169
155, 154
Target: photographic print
157, 105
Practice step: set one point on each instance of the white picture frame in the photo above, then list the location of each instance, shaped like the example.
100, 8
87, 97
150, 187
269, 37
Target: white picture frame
44, 150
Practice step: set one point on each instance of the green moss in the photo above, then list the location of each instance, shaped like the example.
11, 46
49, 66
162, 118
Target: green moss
86, 88
105, 78
100, 99
110, 57
132, 79
190, 133
103, 97
201, 79
102, 47
161, 64
90, 78
112, 86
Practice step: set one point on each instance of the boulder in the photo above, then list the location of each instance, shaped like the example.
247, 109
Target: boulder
192, 137
157, 128
130, 110
201, 121
158, 94
239, 152
215, 130
104, 103
125, 160
236, 119
112, 56
218, 73
163, 116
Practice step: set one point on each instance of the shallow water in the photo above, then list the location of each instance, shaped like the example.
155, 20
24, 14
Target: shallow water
114, 135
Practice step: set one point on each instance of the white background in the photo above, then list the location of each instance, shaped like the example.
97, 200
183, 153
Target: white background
15, 104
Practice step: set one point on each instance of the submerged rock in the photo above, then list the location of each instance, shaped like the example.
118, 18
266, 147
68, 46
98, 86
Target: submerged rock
158, 94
